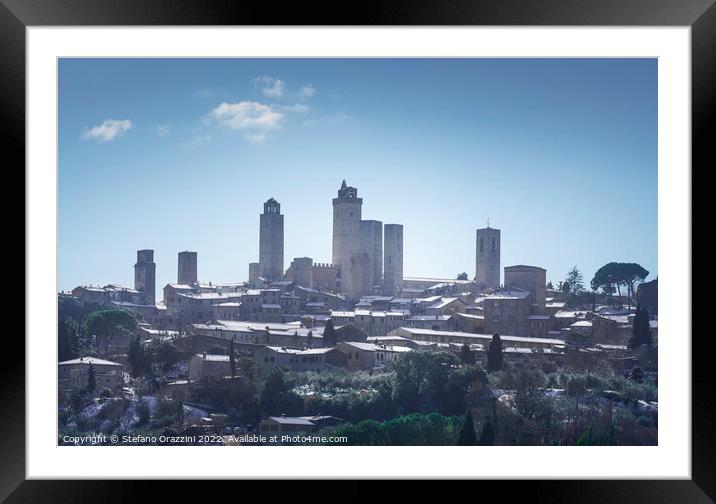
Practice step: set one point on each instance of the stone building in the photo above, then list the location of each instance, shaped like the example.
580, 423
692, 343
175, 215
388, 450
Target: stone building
210, 367
254, 272
325, 277
145, 276
487, 258
647, 295
393, 259
73, 375
532, 279
506, 311
271, 241
186, 274
301, 271
313, 359
363, 355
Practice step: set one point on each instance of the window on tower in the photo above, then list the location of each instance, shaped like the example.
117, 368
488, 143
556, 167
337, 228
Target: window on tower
482, 244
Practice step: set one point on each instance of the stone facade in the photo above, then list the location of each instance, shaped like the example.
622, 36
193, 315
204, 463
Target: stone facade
254, 272
393, 259
506, 311
187, 262
301, 271
532, 279
271, 241
73, 375
372, 244
325, 277
145, 275
487, 258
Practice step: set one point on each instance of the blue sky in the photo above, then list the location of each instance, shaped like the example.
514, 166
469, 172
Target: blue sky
176, 154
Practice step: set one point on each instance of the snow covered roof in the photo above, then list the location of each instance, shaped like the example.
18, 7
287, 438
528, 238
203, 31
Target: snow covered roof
291, 420
444, 302
213, 357
477, 336
582, 323
509, 293
89, 360
429, 317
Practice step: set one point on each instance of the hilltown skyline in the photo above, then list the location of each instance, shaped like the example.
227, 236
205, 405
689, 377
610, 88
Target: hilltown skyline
495, 275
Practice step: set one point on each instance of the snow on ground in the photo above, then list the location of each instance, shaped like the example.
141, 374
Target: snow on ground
193, 415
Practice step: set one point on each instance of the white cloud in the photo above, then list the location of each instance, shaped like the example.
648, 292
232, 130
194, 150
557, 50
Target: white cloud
163, 130
254, 118
247, 115
276, 89
270, 86
306, 91
108, 130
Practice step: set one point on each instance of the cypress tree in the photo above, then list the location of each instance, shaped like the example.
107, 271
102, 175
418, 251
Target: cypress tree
467, 431
641, 332
487, 438
494, 354
466, 354
329, 335
91, 379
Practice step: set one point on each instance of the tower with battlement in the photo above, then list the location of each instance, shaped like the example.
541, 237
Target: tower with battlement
346, 235
145, 275
325, 277
487, 258
393, 259
271, 241
186, 274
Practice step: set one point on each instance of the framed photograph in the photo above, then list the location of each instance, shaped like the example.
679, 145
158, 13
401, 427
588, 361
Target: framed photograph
425, 242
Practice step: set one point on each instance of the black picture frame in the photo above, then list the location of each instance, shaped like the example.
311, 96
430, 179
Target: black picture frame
700, 15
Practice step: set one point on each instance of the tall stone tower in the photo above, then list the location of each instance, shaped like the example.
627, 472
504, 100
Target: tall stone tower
271, 241
346, 233
186, 274
487, 262
145, 275
372, 244
393, 259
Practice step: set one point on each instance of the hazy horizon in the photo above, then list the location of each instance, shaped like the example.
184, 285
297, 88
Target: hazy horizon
172, 155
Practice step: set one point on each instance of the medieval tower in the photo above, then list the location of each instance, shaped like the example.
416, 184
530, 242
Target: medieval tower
271, 241
145, 275
372, 245
393, 259
347, 237
487, 262
186, 274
